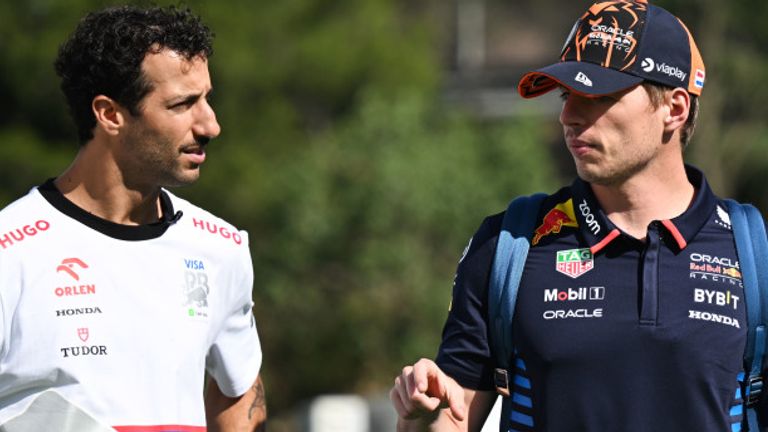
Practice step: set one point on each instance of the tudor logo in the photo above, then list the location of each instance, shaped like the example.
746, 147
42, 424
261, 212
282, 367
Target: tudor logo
83, 334
648, 64
584, 79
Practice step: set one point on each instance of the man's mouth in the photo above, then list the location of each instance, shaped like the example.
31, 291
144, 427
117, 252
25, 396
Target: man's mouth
195, 152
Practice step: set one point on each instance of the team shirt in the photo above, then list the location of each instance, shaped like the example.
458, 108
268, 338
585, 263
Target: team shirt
123, 321
612, 333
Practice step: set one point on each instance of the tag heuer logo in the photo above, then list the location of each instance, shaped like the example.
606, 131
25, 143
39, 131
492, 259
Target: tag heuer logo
574, 262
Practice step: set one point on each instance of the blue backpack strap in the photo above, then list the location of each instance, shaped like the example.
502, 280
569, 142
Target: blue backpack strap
752, 250
511, 251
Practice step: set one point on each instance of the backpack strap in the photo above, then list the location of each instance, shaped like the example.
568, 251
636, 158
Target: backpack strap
511, 251
752, 249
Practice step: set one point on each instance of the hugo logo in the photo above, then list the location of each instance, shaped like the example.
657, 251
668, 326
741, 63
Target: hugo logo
215, 229
20, 234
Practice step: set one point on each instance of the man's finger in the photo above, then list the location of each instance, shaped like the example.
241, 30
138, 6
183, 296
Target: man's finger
456, 402
426, 372
397, 401
450, 393
421, 406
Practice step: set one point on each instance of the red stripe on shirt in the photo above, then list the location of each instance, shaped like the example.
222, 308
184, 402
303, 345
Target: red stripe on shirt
160, 428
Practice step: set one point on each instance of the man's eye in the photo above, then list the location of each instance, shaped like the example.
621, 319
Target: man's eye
180, 106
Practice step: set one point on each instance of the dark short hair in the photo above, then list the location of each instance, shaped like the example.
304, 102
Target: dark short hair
104, 55
657, 93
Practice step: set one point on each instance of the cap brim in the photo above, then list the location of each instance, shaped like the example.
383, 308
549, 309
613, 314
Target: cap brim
580, 77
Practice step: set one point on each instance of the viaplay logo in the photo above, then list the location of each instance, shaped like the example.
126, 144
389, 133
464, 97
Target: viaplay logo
649, 65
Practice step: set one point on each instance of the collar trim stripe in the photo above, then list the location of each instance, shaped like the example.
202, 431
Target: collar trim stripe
604, 242
675, 233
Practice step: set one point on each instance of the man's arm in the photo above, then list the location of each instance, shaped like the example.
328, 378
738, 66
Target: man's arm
247, 413
426, 399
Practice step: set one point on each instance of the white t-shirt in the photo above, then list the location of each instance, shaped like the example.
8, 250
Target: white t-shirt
123, 321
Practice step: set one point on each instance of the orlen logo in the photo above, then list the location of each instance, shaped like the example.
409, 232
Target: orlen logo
215, 229
20, 234
68, 265
71, 267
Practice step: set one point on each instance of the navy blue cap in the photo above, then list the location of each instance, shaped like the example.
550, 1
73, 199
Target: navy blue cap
616, 45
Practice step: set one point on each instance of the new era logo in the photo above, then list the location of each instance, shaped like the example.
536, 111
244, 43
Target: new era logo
584, 79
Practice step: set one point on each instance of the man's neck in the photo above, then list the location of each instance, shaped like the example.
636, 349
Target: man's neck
96, 185
646, 197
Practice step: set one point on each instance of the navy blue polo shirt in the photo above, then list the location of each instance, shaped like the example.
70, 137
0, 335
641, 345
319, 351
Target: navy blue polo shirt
612, 333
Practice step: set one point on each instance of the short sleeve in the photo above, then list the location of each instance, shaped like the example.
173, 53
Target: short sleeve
235, 356
464, 352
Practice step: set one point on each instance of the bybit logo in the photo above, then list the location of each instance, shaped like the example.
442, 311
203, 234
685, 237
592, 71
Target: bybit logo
718, 298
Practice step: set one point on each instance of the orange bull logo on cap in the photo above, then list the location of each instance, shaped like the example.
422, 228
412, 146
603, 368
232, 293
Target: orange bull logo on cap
555, 219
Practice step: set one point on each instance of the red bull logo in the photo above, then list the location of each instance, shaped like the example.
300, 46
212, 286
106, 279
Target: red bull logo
555, 219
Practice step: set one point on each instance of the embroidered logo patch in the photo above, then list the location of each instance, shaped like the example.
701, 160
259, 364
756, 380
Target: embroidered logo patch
574, 262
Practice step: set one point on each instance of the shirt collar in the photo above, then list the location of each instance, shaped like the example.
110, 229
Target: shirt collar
598, 231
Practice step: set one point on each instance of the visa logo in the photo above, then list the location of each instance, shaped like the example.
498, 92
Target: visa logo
193, 264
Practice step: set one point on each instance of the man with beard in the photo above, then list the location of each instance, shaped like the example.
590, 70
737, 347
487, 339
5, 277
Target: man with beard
117, 296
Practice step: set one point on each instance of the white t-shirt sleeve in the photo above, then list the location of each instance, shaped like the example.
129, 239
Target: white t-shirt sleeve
234, 358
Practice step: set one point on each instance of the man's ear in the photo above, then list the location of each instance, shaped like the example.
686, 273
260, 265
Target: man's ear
110, 116
678, 105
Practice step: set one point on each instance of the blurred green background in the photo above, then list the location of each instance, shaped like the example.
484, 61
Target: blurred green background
363, 143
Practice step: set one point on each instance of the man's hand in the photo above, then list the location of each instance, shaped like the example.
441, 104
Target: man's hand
423, 389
